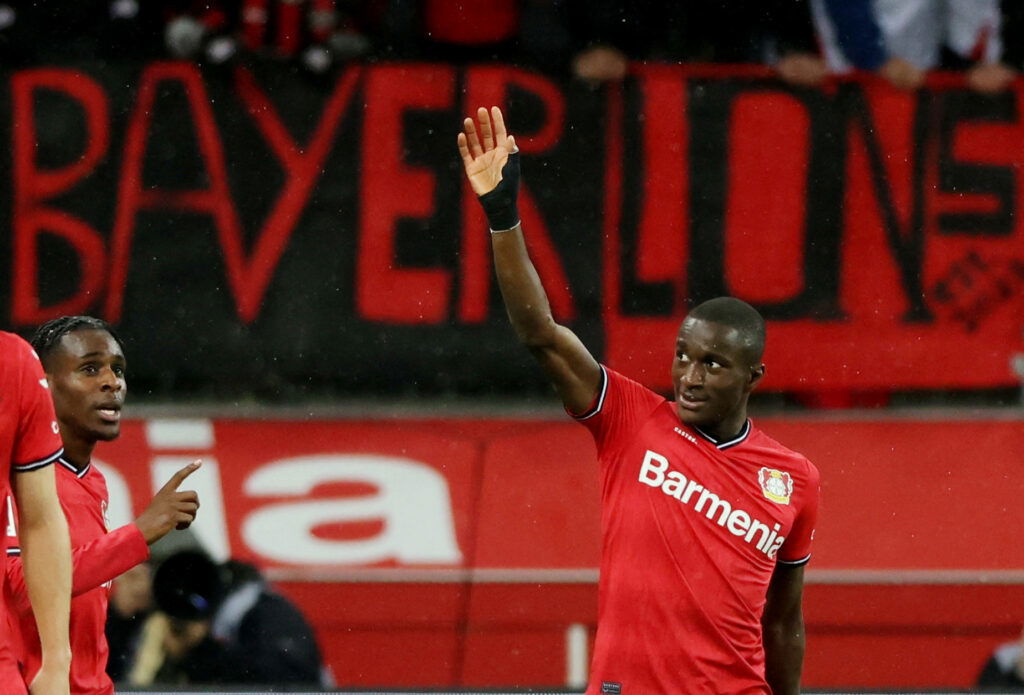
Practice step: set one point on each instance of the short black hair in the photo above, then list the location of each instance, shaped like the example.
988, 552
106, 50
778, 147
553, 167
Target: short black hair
736, 314
48, 336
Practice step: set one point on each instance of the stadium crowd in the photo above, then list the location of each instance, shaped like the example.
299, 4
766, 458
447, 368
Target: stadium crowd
804, 40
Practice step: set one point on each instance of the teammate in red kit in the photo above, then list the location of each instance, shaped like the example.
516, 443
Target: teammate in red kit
29, 444
706, 521
85, 367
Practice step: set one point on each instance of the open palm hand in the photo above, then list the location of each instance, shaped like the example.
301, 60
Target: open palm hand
484, 154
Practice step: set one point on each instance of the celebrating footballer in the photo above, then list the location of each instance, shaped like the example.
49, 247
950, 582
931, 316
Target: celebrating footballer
706, 521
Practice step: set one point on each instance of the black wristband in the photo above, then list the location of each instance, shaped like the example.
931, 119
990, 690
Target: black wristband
500, 204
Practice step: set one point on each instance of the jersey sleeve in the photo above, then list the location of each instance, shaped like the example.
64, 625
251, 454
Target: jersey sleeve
93, 564
38, 441
620, 406
797, 548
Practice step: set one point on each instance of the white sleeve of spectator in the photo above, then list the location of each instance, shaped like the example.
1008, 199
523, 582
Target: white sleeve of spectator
912, 30
826, 31
974, 29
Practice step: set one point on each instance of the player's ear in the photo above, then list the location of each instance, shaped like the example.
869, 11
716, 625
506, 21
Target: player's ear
756, 374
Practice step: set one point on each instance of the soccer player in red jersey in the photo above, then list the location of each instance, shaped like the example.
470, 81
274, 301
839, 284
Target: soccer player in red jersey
706, 521
85, 367
29, 444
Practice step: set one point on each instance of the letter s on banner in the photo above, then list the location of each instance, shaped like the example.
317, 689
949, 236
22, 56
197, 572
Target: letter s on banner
412, 501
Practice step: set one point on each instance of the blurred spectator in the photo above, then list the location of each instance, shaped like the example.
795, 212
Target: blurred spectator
8, 29
1013, 33
222, 624
131, 600
526, 32
776, 32
902, 39
318, 33
595, 39
131, 603
333, 30
1005, 668
202, 31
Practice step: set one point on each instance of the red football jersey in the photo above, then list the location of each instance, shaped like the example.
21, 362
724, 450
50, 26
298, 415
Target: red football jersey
29, 440
29, 437
97, 558
692, 529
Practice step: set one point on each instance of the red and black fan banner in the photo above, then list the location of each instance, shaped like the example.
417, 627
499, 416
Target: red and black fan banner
251, 229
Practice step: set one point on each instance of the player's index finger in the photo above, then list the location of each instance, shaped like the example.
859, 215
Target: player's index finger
464, 149
183, 473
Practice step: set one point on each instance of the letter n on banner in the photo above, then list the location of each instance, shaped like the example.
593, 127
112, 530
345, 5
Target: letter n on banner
640, 345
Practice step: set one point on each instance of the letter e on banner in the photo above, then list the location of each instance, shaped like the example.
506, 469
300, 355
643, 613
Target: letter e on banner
412, 500
393, 190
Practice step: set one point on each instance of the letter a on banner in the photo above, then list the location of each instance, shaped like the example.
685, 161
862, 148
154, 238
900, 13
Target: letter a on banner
412, 504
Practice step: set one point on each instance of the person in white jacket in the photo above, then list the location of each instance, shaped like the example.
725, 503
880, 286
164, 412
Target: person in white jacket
903, 39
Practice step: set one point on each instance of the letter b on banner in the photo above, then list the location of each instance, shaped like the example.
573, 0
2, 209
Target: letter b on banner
36, 189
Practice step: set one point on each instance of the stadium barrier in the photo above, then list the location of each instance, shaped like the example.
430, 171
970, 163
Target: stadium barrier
470, 573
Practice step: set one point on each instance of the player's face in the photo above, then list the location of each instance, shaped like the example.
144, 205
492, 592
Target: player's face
712, 377
86, 375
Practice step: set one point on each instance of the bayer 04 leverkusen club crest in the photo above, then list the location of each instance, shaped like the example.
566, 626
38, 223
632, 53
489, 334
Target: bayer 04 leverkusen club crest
776, 485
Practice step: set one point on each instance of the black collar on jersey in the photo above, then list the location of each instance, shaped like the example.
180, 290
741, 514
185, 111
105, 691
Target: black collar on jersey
71, 467
738, 439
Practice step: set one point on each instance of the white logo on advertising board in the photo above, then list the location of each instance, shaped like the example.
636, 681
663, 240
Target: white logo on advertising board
411, 501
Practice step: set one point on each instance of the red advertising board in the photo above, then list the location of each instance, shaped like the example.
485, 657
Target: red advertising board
522, 495
463, 552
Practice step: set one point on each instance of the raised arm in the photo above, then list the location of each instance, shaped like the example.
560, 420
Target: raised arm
93, 564
491, 160
109, 556
783, 630
46, 555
